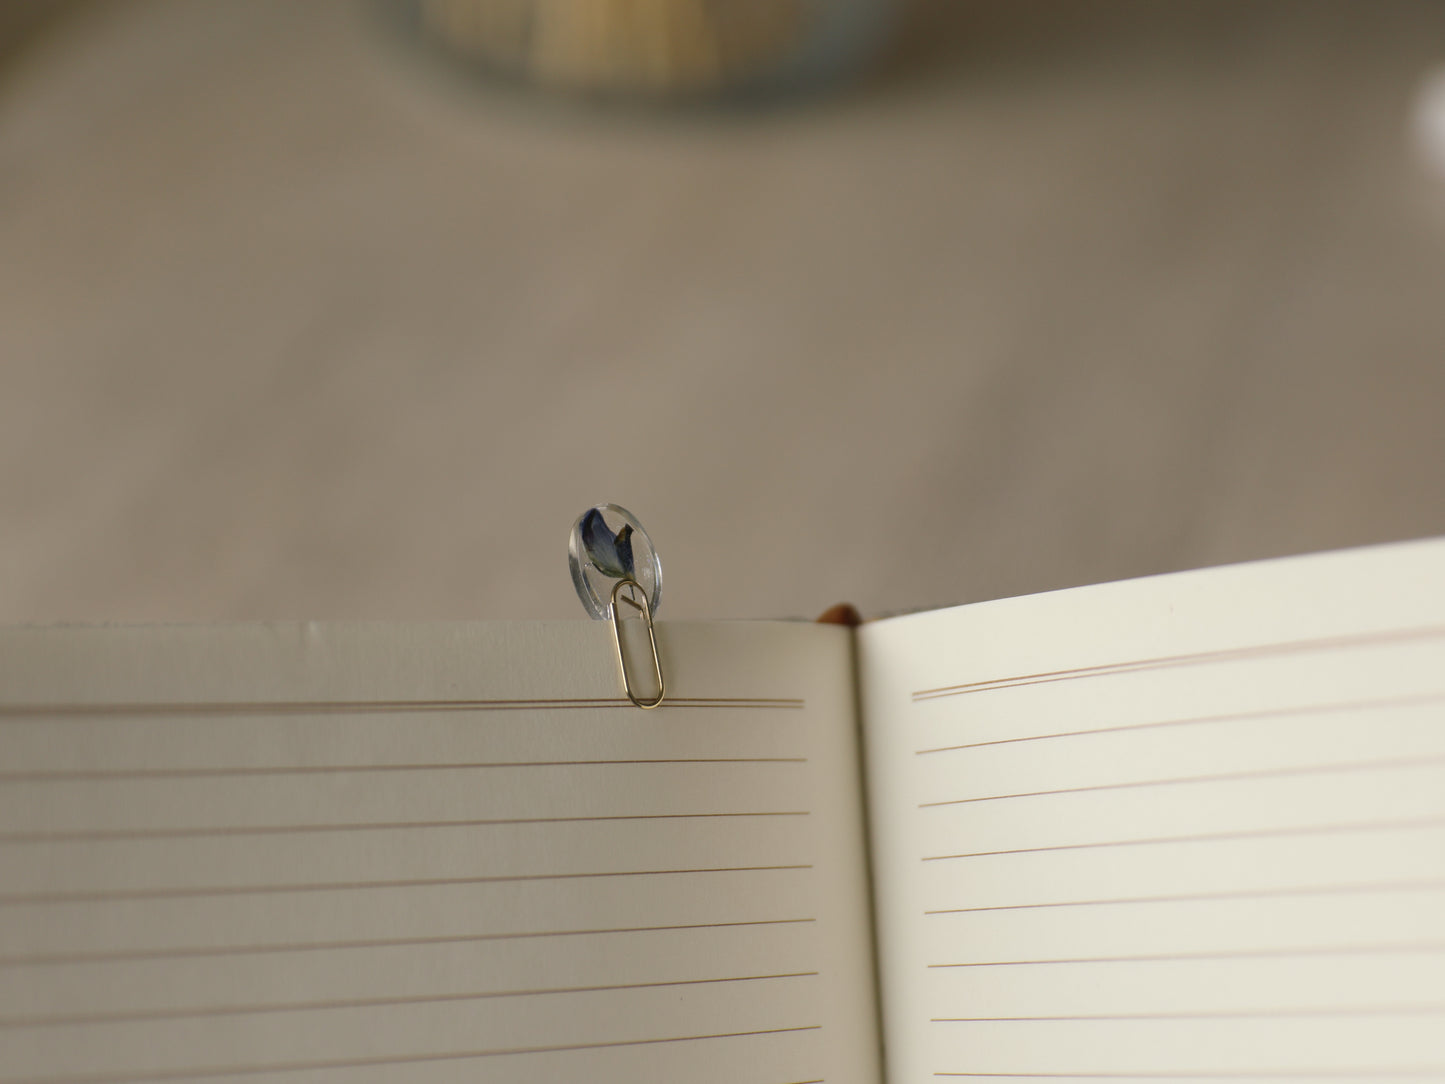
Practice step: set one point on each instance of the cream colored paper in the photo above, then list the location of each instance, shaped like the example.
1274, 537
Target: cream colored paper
1190, 827
429, 853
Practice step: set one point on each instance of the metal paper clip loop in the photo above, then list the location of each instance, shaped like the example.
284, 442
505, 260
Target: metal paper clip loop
639, 602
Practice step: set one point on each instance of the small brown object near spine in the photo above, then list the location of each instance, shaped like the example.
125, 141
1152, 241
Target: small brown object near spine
841, 614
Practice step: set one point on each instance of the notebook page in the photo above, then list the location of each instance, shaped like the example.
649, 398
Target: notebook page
363, 853
1187, 827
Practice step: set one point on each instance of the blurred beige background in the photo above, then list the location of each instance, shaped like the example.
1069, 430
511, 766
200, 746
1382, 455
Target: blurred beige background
292, 326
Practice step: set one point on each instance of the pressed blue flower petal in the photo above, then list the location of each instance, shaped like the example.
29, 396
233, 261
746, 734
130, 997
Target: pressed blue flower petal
612, 555
599, 556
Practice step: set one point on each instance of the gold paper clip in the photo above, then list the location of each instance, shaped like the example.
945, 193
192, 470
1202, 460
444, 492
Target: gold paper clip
636, 597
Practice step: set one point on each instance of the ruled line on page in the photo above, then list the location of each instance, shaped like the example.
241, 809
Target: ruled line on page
116, 895
1341, 1011
1209, 837
103, 774
1202, 720
1388, 764
104, 835
1203, 897
20, 712
1329, 643
151, 1015
1233, 954
282, 947
202, 1071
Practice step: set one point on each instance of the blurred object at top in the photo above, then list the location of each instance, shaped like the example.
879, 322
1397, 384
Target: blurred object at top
692, 50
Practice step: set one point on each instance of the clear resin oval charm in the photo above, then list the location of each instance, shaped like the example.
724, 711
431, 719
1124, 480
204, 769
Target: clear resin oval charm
608, 546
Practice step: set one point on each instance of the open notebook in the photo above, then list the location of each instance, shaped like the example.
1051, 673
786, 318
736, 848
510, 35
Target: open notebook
1182, 828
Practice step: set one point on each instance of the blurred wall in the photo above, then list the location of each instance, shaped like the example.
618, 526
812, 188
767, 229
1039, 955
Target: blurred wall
293, 324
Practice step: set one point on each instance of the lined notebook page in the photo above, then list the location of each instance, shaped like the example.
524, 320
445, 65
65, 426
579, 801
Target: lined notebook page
1188, 827
313, 853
